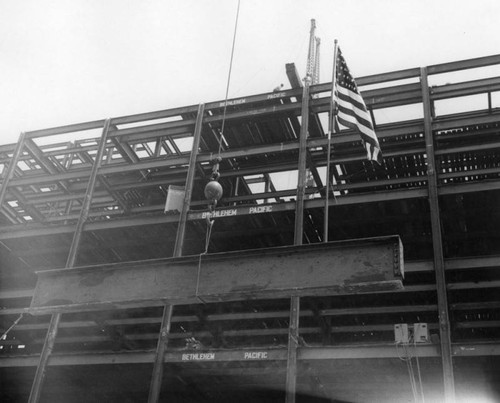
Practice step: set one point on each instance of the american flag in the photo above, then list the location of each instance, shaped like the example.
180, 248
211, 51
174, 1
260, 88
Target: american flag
351, 109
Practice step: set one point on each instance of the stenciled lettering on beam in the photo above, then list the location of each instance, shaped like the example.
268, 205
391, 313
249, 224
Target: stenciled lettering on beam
233, 102
241, 101
198, 357
214, 356
276, 95
255, 355
233, 212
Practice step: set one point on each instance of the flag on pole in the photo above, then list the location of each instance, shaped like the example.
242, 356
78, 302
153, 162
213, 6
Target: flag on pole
351, 110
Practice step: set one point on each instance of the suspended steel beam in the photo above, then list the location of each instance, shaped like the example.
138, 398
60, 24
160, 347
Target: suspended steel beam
333, 268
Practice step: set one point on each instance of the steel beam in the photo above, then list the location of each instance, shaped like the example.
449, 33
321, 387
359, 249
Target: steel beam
292, 350
386, 131
464, 64
240, 333
364, 265
362, 81
188, 189
13, 232
87, 200
351, 352
301, 181
9, 173
293, 327
78, 127
48, 346
444, 321
148, 116
156, 379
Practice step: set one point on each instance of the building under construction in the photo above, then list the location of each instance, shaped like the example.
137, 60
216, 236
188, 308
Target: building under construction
107, 296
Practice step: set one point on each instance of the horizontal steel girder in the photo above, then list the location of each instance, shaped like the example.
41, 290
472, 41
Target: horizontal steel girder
347, 267
245, 355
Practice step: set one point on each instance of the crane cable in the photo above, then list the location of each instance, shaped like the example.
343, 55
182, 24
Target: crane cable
216, 161
215, 174
229, 79
210, 224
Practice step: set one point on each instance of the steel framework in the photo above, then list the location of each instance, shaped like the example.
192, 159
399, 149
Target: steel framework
94, 194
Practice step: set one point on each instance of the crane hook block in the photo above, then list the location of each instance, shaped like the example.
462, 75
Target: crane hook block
215, 169
213, 191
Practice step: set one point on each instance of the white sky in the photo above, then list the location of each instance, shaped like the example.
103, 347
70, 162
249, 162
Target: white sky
72, 61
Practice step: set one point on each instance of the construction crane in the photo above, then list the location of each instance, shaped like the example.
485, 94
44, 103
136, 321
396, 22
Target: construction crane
315, 75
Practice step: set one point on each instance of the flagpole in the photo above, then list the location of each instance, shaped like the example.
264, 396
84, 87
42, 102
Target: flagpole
331, 129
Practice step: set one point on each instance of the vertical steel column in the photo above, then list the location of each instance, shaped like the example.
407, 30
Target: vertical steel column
293, 343
304, 130
331, 130
157, 376
301, 182
293, 328
87, 201
181, 229
9, 173
155, 386
444, 321
50, 339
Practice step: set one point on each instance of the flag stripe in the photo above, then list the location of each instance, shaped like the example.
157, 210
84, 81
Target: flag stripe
348, 96
352, 111
365, 134
364, 119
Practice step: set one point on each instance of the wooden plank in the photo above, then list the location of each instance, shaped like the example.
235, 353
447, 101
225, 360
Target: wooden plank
364, 265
